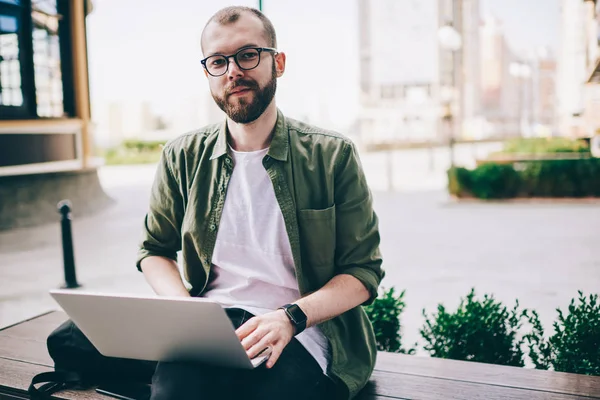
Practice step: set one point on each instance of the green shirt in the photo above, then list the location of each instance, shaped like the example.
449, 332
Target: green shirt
326, 205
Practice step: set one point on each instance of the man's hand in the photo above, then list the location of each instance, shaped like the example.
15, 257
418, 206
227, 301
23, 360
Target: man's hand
273, 330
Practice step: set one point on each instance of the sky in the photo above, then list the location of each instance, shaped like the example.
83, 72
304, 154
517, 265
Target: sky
150, 50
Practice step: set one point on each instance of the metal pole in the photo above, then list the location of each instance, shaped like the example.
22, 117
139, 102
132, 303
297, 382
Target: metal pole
64, 207
260, 5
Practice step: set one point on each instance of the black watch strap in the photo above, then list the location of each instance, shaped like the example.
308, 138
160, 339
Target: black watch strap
296, 316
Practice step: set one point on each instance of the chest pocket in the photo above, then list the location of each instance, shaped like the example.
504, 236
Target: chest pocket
317, 235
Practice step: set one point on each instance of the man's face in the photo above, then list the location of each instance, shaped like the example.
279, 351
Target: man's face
242, 94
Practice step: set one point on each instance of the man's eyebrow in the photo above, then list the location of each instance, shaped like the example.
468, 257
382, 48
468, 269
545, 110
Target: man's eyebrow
238, 49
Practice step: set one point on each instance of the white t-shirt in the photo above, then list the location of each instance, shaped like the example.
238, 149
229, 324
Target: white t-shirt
253, 268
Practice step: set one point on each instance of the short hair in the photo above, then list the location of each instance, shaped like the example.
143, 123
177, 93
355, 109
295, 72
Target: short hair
229, 15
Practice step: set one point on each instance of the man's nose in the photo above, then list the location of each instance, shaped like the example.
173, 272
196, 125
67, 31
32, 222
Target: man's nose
233, 71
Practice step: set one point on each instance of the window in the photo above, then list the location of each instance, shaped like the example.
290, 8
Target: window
46, 58
11, 66
35, 72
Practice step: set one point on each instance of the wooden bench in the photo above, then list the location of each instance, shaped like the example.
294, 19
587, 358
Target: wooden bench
23, 354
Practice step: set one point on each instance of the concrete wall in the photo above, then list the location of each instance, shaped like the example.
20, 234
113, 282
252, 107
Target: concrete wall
29, 200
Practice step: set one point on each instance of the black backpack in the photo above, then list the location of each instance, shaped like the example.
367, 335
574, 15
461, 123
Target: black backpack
79, 365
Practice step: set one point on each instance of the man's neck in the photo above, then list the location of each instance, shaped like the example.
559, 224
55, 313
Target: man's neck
255, 135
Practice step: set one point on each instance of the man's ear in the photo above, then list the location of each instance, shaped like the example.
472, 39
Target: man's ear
205, 72
280, 64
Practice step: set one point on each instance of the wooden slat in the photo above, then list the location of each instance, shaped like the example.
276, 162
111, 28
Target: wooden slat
25, 350
558, 382
36, 328
425, 388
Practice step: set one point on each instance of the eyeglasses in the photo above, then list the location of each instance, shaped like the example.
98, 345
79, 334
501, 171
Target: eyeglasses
246, 59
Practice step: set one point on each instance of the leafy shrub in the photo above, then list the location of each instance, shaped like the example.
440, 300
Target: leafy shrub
544, 146
494, 181
540, 178
141, 145
459, 182
575, 345
561, 178
134, 152
479, 330
384, 314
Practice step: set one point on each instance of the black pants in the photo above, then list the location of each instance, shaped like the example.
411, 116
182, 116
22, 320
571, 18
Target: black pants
296, 375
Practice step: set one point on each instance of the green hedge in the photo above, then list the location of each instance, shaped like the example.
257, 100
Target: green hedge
539, 178
143, 146
544, 146
134, 152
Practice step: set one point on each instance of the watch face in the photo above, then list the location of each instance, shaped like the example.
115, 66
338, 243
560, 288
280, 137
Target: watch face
297, 314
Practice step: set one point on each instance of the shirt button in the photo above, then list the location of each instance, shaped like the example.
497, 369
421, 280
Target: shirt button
227, 161
212, 227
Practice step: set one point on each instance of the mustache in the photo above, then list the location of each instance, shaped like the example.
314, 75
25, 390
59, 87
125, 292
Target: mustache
241, 82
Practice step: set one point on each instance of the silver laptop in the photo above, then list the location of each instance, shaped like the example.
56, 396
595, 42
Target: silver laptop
157, 328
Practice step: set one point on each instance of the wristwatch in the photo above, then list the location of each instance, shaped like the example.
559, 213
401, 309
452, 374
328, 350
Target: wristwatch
296, 316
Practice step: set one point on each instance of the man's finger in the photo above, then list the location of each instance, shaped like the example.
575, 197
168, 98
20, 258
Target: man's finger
253, 338
275, 353
247, 328
266, 340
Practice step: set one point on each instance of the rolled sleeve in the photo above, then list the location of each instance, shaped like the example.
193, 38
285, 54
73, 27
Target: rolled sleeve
357, 228
161, 234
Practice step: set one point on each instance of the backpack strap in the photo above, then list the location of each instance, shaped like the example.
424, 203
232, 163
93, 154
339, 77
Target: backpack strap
53, 382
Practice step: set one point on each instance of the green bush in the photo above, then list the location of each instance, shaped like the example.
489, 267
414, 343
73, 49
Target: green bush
561, 178
459, 181
143, 146
384, 314
544, 146
539, 178
493, 181
479, 330
575, 345
134, 152
488, 181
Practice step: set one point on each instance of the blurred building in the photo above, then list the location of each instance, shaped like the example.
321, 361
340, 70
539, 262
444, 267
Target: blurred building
45, 125
119, 121
471, 100
544, 117
506, 105
578, 93
405, 74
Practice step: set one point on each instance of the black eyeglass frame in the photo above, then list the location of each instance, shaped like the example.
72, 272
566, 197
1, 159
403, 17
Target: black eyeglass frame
258, 49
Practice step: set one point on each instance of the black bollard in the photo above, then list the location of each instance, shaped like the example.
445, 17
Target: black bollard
64, 207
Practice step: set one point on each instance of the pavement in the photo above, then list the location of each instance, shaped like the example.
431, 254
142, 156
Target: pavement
434, 248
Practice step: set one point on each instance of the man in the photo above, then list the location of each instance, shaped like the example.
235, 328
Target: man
268, 212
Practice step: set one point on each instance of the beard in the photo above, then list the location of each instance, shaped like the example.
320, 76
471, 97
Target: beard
243, 111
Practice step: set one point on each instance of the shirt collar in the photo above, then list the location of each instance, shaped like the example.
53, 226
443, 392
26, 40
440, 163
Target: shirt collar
278, 149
